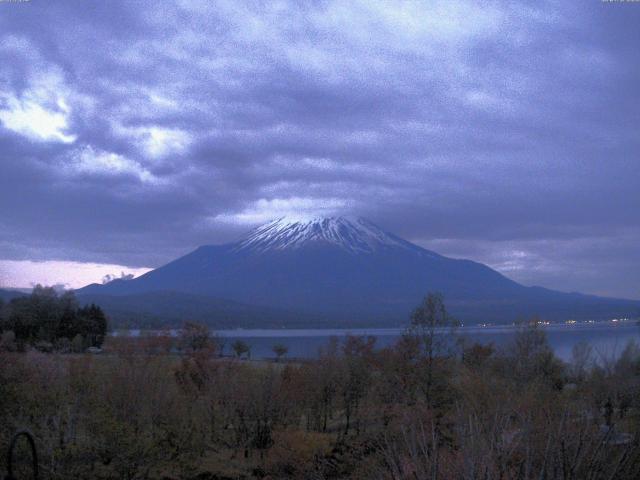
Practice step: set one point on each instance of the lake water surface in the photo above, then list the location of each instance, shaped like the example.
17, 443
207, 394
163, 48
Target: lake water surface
608, 339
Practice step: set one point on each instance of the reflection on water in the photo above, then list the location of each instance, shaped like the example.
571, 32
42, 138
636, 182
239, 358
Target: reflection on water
608, 339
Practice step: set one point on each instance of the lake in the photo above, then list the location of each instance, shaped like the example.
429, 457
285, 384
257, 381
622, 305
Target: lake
608, 339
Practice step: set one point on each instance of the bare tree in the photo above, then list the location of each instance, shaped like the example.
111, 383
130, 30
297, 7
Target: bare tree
280, 350
241, 348
432, 325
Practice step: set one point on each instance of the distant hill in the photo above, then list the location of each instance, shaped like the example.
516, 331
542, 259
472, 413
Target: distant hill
337, 271
9, 294
160, 309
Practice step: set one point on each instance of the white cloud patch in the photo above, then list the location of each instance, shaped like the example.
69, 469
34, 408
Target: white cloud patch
29, 118
153, 141
123, 276
162, 141
89, 160
41, 112
265, 210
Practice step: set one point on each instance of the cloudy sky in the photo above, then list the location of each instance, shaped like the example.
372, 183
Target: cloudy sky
508, 132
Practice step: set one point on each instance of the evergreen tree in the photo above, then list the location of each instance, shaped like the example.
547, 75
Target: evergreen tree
93, 324
46, 316
68, 325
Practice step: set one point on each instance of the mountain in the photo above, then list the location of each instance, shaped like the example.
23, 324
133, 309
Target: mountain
350, 272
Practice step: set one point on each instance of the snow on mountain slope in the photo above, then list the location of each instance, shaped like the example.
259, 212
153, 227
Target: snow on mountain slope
355, 235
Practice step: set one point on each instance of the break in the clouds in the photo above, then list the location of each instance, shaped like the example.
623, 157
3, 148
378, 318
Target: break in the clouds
506, 132
24, 273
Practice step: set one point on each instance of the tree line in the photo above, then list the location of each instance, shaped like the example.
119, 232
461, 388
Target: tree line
49, 321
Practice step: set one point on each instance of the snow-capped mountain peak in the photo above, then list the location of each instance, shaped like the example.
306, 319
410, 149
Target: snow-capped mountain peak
355, 235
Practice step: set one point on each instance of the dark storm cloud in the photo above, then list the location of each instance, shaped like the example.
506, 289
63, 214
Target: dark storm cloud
506, 133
